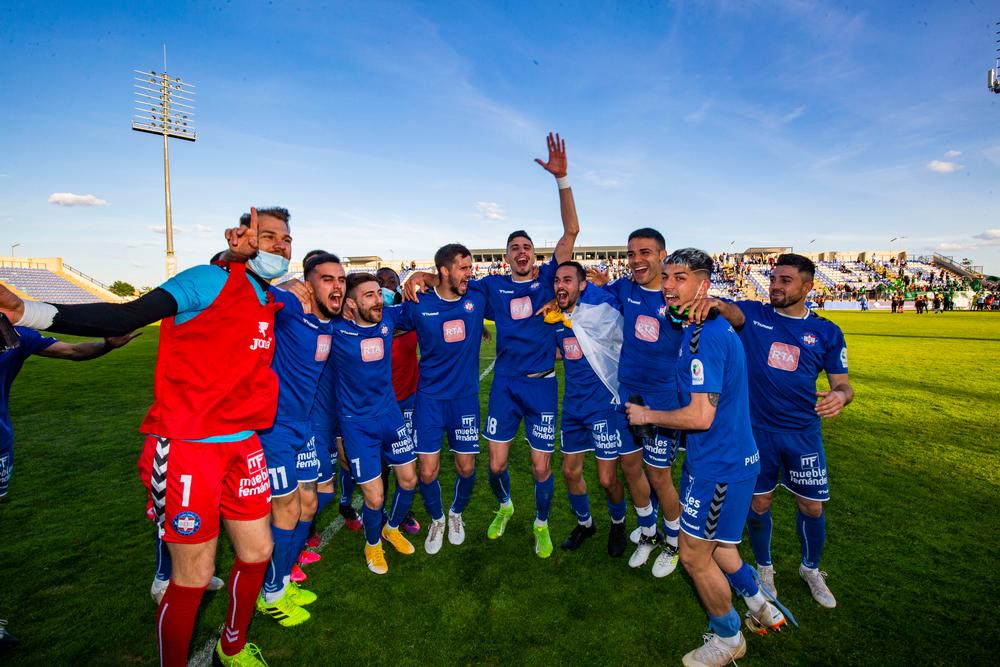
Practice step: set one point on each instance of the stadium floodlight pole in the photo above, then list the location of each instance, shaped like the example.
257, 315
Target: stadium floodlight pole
993, 75
12, 246
165, 106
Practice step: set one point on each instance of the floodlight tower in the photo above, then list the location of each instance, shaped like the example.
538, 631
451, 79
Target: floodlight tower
993, 75
165, 106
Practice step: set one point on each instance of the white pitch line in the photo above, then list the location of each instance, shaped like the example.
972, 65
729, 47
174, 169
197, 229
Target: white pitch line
203, 658
488, 369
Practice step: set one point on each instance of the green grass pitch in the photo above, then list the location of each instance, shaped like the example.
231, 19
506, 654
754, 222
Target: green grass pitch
914, 532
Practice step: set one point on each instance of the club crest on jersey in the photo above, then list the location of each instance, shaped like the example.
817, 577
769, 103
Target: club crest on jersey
697, 372
809, 339
662, 311
384, 330
535, 285
469, 306
264, 341
187, 523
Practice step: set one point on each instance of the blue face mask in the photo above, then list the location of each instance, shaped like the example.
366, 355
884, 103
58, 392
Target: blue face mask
388, 297
268, 266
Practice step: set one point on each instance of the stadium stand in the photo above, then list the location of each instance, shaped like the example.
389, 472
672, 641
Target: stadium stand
50, 279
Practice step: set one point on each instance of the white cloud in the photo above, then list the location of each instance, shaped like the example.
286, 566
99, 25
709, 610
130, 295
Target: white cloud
952, 247
162, 229
989, 235
943, 167
490, 210
204, 229
952, 154
70, 199
603, 180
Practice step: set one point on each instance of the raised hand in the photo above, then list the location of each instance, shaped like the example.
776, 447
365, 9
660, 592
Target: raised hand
599, 278
556, 164
303, 292
549, 307
243, 240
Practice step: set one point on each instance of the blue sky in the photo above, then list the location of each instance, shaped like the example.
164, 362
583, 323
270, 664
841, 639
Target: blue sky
393, 128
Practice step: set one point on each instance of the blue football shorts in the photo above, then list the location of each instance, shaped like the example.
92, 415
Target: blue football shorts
603, 431
513, 398
290, 452
368, 442
458, 418
715, 511
799, 456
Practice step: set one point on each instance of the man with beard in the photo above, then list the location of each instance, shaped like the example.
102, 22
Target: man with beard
719, 469
303, 346
591, 421
524, 385
787, 347
647, 371
214, 387
449, 326
370, 421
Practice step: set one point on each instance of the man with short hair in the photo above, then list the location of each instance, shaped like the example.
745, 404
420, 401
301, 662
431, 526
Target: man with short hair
213, 388
371, 423
720, 467
647, 370
303, 338
787, 347
588, 331
448, 323
524, 385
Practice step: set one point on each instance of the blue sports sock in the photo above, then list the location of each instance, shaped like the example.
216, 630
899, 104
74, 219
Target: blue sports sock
580, 504
347, 484
401, 502
812, 535
164, 566
372, 519
725, 626
297, 544
323, 499
759, 527
646, 518
617, 511
463, 492
743, 581
273, 578
671, 530
654, 500
543, 498
431, 493
500, 483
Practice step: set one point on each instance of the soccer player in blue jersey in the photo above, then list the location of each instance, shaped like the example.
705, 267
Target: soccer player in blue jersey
370, 421
524, 383
647, 369
303, 341
787, 347
591, 420
30, 342
720, 468
449, 324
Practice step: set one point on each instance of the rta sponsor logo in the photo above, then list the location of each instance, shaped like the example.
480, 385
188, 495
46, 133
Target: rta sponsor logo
783, 356
521, 308
372, 349
647, 328
572, 350
323, 342
454, 331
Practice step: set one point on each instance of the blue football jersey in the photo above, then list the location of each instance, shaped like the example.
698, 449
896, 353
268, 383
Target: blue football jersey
301, 351
785, 355
363, 356
323, 416
449, 334
649, 340
10, 364
525, 344
583, 391
715, 364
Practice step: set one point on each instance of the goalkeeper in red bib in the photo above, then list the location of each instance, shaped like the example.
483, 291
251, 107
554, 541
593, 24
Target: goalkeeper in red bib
213, 388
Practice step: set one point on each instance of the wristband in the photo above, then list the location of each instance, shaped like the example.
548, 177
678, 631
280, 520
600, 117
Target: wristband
563, 182
37, 315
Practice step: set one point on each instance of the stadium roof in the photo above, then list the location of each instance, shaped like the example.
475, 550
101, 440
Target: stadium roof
365, 259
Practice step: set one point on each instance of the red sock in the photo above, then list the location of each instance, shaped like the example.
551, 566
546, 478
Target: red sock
175, 623
245, 580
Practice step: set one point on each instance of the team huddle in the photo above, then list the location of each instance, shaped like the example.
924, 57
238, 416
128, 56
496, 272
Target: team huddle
267, 397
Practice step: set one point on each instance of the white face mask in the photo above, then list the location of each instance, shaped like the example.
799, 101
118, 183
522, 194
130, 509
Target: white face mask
268, 265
